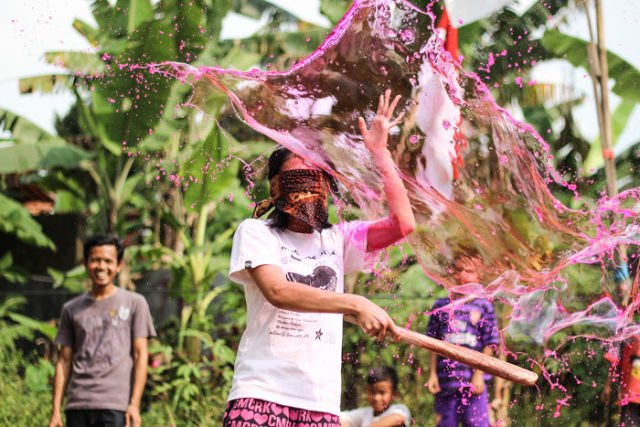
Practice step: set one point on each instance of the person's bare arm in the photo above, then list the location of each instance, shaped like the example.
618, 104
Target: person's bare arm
477, 380
498, 385
295, 296
60, 381
140, 364
433, 385
400, 221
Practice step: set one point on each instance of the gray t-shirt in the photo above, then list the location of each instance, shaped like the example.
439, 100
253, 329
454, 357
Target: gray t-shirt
101, 334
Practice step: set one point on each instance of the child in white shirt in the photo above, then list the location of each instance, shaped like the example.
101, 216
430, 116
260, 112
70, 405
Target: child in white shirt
382, 390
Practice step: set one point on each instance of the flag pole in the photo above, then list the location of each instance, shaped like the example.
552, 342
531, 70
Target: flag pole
606, 135
599, 72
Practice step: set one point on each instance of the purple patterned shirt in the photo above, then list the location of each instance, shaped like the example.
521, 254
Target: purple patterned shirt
472, 325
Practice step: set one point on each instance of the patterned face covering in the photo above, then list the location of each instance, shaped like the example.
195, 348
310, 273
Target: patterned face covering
304, 196
301, 194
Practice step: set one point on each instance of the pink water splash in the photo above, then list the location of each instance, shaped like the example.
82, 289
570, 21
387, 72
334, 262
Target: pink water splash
478, 179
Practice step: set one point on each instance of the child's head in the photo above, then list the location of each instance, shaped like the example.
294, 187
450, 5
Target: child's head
382, 388
466, 268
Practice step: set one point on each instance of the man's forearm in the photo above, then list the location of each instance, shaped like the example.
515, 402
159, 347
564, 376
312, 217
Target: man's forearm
60, 380
140, 364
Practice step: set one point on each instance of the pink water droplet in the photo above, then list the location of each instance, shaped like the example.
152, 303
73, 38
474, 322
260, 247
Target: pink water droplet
407, 35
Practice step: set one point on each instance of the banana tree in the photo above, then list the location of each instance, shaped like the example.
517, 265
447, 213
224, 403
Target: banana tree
150, 156
626, 79
29, 149
127, 114
206, 177
120, 107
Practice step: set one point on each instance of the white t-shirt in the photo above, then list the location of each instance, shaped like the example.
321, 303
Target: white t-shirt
363, 417
291, 358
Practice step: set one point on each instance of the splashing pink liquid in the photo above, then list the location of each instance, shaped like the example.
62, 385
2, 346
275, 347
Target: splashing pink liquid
478, 179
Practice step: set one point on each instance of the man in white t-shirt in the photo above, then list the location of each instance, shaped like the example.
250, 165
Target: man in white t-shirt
382, 391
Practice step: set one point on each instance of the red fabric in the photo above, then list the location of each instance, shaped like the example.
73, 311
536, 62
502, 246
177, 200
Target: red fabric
451, 39
630, 373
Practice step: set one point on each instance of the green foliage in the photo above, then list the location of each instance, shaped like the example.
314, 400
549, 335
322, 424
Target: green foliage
24, 389
619, 119
44, 328
80, 62
74, 280
190, 382
628, 165
508, 37
31, 148
10, 332
334, 9
17, 221
51, 83
571, 396
9, 271
575, 50
21, 158
15, 326
38, 375
623, 73
23, 130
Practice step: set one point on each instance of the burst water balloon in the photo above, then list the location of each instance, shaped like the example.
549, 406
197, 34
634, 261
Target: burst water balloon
479, 180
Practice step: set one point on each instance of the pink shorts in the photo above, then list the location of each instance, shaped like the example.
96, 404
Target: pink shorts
250, 412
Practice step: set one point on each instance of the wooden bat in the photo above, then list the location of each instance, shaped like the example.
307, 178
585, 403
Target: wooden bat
475, 359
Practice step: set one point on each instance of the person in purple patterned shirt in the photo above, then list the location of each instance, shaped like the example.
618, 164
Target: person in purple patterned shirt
460, 391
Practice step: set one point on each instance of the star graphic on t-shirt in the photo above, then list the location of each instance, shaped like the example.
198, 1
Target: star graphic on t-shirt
319, 334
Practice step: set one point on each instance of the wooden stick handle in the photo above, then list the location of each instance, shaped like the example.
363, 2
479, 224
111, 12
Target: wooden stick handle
475, 359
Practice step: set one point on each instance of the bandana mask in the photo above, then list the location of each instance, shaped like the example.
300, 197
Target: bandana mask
300, 193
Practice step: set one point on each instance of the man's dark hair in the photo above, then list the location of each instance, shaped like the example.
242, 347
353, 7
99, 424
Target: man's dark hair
103, 240
383, 373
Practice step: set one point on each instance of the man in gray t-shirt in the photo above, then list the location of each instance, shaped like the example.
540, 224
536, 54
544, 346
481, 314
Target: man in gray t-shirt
103, 346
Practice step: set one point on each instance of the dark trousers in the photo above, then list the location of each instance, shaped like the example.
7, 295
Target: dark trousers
94, 418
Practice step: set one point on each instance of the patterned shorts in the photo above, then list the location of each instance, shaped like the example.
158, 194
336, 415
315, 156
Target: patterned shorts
250, 412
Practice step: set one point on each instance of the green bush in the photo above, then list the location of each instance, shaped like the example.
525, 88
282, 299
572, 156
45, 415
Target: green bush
25, 391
